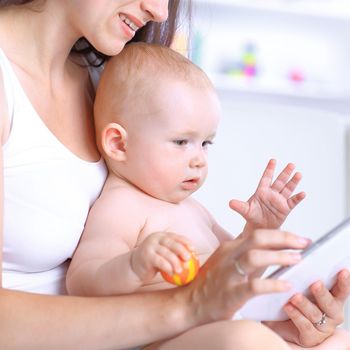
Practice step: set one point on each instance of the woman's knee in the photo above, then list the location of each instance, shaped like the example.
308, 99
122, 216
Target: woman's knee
225, 335
245, 334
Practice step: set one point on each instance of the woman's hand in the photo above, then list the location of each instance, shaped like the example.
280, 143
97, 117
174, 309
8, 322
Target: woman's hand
311, 323
226, 281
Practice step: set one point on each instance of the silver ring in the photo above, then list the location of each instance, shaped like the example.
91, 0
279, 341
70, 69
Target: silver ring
322, 321
239, 269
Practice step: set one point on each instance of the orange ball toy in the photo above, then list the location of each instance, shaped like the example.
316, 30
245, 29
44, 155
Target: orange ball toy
189, 272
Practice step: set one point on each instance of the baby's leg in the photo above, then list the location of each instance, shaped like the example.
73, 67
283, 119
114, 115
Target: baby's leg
225, 335
340, 340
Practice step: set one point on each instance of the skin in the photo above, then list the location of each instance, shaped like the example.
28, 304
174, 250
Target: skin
38, 45
119, 252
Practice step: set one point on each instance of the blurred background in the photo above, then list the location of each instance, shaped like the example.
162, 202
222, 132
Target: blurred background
282, 72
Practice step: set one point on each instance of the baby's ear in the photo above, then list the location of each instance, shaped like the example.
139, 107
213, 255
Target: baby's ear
113, 141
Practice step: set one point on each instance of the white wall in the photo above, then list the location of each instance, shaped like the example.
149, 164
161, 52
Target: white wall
252, 133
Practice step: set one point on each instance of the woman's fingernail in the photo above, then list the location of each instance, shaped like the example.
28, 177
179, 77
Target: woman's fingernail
295, 257
304, 241
190, 248
317, 286
296, 299
287, 285
346, 274
288, 308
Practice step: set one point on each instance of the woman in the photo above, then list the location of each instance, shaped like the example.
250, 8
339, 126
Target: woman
53, 173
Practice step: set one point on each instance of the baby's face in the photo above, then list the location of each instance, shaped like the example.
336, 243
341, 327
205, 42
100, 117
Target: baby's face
167, 147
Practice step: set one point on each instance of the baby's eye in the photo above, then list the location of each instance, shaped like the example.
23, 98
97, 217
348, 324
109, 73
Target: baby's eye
206, 143
181, 142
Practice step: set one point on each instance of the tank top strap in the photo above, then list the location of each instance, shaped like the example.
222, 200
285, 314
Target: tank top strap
8, 83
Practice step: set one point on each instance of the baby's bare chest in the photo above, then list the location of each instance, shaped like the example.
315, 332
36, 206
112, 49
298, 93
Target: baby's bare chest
186, 220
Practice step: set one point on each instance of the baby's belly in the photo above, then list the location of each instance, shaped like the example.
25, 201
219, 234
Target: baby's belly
159, 283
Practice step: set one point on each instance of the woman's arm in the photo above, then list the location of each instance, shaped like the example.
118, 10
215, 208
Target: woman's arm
32, 321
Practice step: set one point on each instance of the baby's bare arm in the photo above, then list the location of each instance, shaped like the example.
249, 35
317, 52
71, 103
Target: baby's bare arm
101, 264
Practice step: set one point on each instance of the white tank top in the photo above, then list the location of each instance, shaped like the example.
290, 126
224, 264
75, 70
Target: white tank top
48, 192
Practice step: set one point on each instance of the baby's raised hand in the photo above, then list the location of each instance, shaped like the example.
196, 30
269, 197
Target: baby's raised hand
160, 251
272, 201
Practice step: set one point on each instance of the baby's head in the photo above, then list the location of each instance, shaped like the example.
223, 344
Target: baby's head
155, 115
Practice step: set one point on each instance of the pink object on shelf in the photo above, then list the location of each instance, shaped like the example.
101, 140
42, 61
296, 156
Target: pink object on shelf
296, 75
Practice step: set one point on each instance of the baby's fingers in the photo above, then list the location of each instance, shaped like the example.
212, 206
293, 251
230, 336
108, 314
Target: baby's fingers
240, 207
291, 185
167, 261
295, 200
177, 244
267, 175
282, 179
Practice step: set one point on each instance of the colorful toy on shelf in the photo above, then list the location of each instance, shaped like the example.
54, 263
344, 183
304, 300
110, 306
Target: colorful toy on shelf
296, 75
246, 66
249, 61
189, 272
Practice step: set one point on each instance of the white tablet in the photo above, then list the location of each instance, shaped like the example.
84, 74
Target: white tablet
322, 260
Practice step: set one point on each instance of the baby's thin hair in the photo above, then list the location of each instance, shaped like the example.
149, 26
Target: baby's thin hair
150, 61
137, 70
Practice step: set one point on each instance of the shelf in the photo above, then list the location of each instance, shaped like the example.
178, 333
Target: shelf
332, 9
278, 88
306, 29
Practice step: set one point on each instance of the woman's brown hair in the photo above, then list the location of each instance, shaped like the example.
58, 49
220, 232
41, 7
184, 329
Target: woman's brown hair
156, 33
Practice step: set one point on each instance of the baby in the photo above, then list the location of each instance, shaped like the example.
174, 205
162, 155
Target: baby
154, 135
